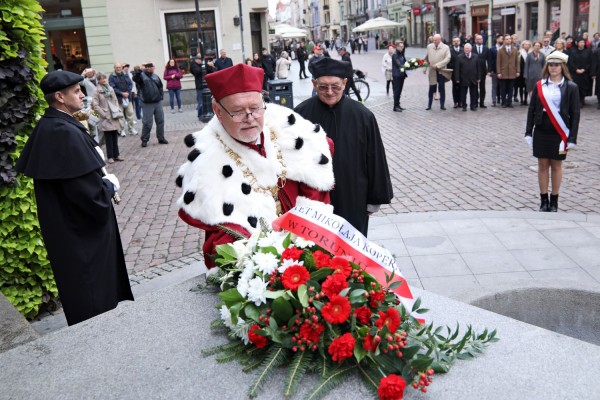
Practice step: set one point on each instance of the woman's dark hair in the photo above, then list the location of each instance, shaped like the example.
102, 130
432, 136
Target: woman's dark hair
168, 65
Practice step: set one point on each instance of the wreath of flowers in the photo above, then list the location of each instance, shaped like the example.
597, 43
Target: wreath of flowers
286, 301
414, 63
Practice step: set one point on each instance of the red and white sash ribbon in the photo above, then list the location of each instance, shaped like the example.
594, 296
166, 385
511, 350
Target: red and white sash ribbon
339, 237
554, 115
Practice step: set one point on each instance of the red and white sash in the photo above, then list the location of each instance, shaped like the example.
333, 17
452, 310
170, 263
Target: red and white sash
554, 115
340, 238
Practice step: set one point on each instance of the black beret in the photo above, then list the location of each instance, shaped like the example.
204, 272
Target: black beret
59, 80
330, 67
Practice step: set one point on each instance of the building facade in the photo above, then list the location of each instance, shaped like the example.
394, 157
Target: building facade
99, 33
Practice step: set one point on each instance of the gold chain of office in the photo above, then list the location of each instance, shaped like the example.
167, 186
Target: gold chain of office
270, 190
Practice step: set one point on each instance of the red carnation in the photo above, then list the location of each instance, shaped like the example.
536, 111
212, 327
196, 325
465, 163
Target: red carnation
376, 298
291, 253
321, 259
294, 277
390, 318
391, 387
334, 284
363, 314
258, 340
311, 331
341, 266
342, 347
369, 344
337, 310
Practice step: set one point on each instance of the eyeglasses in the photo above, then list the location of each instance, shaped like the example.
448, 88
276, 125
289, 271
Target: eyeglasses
326, 88
242, 115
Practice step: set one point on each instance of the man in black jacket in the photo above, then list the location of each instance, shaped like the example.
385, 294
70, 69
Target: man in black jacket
455, 50
350, 84
196, 70
223, 61
483, 54
467, 76
268, 64
151, 94
301, 55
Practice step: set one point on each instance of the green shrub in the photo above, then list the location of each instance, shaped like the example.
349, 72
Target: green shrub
26, 278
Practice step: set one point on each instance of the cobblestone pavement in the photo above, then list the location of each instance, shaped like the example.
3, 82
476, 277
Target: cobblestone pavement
439, 160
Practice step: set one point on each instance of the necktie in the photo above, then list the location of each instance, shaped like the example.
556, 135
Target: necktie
479, 49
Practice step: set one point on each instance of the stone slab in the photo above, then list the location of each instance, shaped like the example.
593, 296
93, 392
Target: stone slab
14, 329
150, 348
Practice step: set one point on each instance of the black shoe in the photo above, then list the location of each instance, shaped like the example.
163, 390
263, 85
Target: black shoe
428, 108
510, 106
164, 141
482, 106
494, 104
504, 106
397, 109
553, 207
402, 109
144, 144
464, 109
473, 108
443, 108
545, 203
455, 105
598, 106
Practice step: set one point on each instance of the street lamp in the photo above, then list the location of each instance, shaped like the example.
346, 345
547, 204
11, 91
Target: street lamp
207, 112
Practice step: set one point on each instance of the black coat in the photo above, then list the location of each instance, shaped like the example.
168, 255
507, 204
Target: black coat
569, 110
483, 59
492, 57
581, 59
196, 70
77, 219
301, 54
268, 64
222, 63
467, 70
359, 162
596, 69
453, 57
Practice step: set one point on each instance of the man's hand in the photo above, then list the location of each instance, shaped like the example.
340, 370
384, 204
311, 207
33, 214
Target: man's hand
113, 179
529, 140
518, 74
125, 95
499, 76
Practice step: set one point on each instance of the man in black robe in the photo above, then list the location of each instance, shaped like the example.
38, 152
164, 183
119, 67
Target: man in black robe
362, 178
77, 219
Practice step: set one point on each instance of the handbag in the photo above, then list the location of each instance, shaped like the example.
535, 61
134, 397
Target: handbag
115, 111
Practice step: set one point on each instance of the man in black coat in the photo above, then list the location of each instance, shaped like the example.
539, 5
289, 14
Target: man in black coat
268, 65
77, 219
483, 54
301, 55
467, 76
196, 70
350, 84
455, 50
223, 61
362, 178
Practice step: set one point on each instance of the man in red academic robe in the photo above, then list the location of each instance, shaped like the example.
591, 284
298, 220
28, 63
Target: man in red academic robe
251, 161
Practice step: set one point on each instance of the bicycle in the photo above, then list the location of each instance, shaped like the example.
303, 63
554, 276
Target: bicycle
361, 85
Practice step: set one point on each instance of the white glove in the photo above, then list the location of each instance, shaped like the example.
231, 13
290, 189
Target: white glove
529, 140
571, 146
113, 179
99, 150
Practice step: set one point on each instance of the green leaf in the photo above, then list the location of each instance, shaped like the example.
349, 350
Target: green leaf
231, 296
252, 311
303, 295
417, 304
320, 274
359, 351
282, 309
287, 241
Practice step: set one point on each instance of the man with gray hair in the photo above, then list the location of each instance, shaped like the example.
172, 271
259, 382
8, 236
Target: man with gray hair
438, 57
151, 93
123, 86
467, 76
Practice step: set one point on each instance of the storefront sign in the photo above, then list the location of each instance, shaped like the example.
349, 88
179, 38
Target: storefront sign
416, 10
480, 11
584, 7
508, 11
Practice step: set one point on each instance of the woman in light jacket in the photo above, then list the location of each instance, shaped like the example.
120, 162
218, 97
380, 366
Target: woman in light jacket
282, 66
386, 67
173, 77
534, 63
103, 101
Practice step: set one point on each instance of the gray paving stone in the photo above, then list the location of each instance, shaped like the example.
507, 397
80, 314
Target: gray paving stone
382, 232
407, 267
557, 275
565, 238
594, 230
487, 262
491, 280
524, 240
549, 224
440, 265
496, 225
418, 229
395, 246
539, 259
584, 256
476, 242
449, 285
463, 226
424, 245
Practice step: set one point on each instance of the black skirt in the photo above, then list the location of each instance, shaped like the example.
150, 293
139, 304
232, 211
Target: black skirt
546, 140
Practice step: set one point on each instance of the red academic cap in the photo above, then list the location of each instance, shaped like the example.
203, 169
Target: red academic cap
240, 78
317, 47
391, 45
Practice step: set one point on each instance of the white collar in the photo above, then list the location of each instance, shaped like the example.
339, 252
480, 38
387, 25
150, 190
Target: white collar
549, 82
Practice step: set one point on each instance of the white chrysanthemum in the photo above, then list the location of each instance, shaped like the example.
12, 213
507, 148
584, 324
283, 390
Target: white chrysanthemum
248, 271
242, 333
288, 262
226, 316
242, 287
256, 291
273, 239
265, 262
302, 243
241, 250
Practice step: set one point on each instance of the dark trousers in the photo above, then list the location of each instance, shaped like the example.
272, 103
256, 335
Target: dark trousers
481, 91
302, 70
112, 143
138, 107
151, 112
456, 93
397, 86
507, 87
472, 88
350, 85
441, 86
199, 101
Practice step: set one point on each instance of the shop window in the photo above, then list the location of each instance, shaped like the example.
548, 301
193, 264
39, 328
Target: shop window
582, 14
182, 36
553, 15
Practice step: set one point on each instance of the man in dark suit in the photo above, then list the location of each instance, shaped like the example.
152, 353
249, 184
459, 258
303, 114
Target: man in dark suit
483, 54
455, 50
493, 55
467, 76
223, 61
